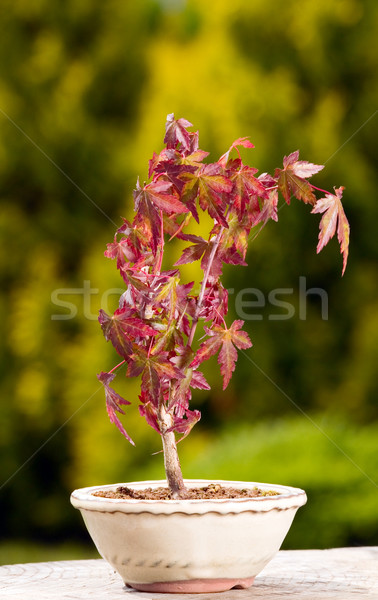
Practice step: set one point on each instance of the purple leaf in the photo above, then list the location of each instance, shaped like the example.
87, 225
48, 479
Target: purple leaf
114, 402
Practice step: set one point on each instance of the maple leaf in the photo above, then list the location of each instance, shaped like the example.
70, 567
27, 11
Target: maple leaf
176, 132
122, 250
269, 207
122, 329
244, 141
148, 220
192, 253
210, 185
202, 250
167, 296
168, 288
223, 340
231, 256
198, 381
128, 248
232, 244
245, 187
189, 191
195, 158
171, 225
166, 156
292, 180
148, 411
170, 164
236, 236
215, 302
153, 368
301, 168
184, 424
181, 394
167, 339
333, 217
154, 197
161, 194
137, 278
233, 241
114, 402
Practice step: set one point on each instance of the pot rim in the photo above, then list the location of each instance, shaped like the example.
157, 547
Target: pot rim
288, 498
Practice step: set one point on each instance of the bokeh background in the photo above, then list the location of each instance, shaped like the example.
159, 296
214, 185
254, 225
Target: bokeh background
85, 88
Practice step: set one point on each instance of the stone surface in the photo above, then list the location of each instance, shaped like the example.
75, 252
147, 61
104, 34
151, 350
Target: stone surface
337, 574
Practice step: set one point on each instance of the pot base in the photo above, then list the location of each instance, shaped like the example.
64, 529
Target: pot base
193, 586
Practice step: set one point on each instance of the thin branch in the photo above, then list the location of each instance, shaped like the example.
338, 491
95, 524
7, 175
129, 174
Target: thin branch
119, 365
203, 286
320, 189
161, 246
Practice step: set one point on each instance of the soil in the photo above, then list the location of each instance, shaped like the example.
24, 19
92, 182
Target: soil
209, 492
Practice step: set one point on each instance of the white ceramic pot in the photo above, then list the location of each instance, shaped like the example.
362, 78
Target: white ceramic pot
189, 545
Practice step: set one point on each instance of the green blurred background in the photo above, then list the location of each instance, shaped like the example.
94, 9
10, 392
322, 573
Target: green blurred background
85, 88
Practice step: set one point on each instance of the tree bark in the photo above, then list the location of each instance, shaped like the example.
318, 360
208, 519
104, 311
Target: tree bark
172, 465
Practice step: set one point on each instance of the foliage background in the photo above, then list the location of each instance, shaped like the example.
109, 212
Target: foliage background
84, 91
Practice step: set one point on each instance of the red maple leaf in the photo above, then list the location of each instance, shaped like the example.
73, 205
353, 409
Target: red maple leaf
171, 164
333, 217
114, 402
185, 423
246, 189
292, 179
148, 411
244, 141
269, 207
223, 339
215, 302
167, 156
176, 132
161, 194
122, 329
235, 238
154, 370
154, 197
198, 381
195, 252
210, 185
122, 250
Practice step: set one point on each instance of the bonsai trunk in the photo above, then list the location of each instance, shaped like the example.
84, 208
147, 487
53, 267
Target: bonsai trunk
172, 466
171, 459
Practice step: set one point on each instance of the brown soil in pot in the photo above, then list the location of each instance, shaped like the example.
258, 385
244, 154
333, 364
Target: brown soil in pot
209, 492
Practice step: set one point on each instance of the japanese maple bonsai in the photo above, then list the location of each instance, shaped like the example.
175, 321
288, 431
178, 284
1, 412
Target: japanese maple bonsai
165, 328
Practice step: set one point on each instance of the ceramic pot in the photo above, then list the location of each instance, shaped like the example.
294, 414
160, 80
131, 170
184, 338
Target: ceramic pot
189, 546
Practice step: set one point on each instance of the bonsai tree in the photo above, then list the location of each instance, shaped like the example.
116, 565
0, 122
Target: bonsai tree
165, 328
